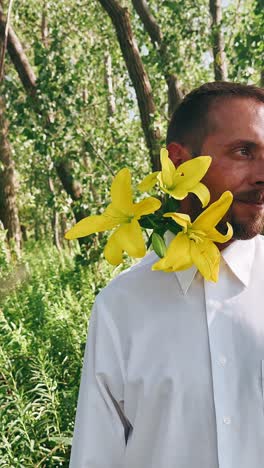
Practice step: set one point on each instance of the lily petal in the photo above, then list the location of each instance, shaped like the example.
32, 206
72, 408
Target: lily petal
113, 251
146, 206
178, 192
148, 182
121, 191
168, 169
119, 217
126, 238
214, 213
216, 236
178, 256
193, 171
202, 193
206, 257
91, 224
131, 239
180, 218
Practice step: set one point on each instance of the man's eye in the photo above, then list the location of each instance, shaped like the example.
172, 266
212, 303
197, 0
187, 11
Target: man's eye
243, 151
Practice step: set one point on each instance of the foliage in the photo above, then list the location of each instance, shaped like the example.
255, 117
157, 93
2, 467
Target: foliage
245, 47
70, 68
43, 333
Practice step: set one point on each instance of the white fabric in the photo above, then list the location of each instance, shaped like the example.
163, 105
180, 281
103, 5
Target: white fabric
176, 363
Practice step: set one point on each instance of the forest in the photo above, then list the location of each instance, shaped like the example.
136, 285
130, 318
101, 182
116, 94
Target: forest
87, 88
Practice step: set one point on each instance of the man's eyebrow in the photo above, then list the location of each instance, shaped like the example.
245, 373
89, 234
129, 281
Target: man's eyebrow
248, 143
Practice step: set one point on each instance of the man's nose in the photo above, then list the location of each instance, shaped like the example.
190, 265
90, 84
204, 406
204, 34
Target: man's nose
258, 175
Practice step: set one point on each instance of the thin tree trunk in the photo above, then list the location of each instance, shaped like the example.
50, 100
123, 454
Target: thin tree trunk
4, 45
55, 214
111, 107
64, 170
220, 65
151, 26
36, 231
24, 232
44, 26
121, 21
18, 57
55, 218
262, 78
63, 229
8, 185
86, 163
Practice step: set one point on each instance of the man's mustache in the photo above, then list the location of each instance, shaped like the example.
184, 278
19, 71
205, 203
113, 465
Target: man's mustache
253, 196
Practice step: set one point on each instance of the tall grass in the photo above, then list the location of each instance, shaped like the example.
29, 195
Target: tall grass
43, 325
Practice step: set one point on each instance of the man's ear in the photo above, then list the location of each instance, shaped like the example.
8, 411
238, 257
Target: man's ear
177, 153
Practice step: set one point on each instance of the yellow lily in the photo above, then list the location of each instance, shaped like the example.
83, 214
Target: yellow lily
178, 182
122, 212
195, 243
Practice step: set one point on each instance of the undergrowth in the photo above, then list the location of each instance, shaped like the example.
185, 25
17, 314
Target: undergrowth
43, 325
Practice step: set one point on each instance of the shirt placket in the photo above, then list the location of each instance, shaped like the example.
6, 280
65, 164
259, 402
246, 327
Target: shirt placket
221, 351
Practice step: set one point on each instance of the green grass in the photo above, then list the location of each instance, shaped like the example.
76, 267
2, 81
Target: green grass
43, 325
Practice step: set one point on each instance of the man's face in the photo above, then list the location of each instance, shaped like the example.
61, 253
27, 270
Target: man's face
237, 149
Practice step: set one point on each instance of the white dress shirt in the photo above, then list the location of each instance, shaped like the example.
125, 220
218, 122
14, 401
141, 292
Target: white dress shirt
173, 372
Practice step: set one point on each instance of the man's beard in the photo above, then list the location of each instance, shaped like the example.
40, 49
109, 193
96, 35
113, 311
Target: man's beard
243, 230
247, 230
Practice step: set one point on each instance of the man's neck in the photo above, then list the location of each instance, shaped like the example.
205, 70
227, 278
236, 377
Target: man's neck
223, 246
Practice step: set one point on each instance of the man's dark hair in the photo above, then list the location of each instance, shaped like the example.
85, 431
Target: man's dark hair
191, 121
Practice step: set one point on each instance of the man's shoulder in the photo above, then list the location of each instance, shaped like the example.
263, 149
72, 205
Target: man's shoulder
137, 285
135, 276
132, 293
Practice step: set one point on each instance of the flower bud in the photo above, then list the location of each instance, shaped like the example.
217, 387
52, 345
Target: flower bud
158, 244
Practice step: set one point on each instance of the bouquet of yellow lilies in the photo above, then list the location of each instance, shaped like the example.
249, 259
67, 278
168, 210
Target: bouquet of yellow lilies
193, 243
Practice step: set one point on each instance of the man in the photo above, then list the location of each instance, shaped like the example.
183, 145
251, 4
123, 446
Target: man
173, 373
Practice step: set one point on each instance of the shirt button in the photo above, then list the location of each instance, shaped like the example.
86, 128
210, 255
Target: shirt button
222, 360
227, 420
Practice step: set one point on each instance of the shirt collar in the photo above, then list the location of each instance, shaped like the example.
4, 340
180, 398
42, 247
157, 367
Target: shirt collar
239, 256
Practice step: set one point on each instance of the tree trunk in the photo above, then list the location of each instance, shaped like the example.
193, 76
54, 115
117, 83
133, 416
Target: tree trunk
121, 21
86, 163
44, 26
8, 186
111, 107
74, 189
18, 57
63, 229
24, 232
220, 65
151, 26
55, 217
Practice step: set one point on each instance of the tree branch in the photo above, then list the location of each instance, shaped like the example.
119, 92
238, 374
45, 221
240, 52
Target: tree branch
18, 57
220, 66
121, 21
151, 26
2, 58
